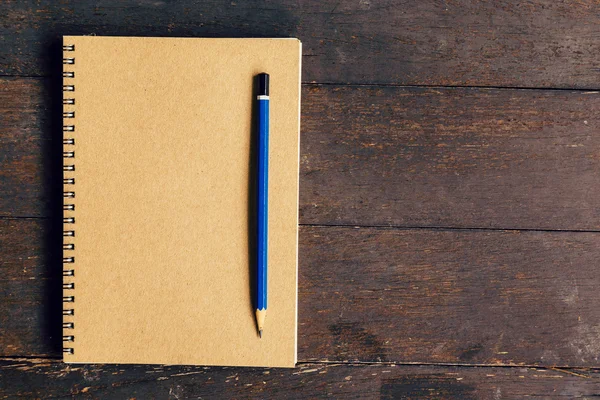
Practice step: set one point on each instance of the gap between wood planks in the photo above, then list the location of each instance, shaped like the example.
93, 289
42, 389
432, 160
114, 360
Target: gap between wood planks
390, 227
474, 87
570, 370
398, 85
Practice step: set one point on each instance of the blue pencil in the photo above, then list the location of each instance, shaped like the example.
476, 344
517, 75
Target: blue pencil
262, 200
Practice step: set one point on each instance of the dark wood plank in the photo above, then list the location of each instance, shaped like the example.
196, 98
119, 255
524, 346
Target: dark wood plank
30, 287
372, 294
26, 175
541, 43
45, 379
450, 157
476, 297
381, 156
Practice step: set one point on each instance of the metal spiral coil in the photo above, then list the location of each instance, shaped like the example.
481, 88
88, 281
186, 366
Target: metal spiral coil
68, 154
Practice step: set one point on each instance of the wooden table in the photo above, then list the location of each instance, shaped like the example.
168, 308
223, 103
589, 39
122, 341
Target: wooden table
450, 198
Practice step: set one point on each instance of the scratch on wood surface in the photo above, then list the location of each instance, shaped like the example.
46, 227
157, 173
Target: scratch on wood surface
564, 371
189, 373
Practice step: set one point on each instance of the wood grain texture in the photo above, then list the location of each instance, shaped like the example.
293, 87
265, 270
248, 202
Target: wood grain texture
476, 297
541, 43
47, 379
411, 157
450, 157
30, 287
24, 147
380, 295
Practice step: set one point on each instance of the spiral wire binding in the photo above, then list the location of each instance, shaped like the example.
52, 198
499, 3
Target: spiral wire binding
68, 231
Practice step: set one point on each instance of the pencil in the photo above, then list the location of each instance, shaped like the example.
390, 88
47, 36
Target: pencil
262, 200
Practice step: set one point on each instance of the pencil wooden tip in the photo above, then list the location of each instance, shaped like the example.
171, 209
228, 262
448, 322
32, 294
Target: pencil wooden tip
260, 321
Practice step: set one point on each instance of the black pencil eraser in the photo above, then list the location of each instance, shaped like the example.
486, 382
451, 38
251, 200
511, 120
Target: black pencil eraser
263, 84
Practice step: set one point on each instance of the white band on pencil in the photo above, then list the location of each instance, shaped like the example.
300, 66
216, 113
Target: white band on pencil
262, 97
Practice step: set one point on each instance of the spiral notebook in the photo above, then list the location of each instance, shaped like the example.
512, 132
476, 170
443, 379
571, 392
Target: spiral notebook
158, 200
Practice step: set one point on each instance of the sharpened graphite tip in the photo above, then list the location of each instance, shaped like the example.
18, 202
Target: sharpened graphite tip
260, 333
